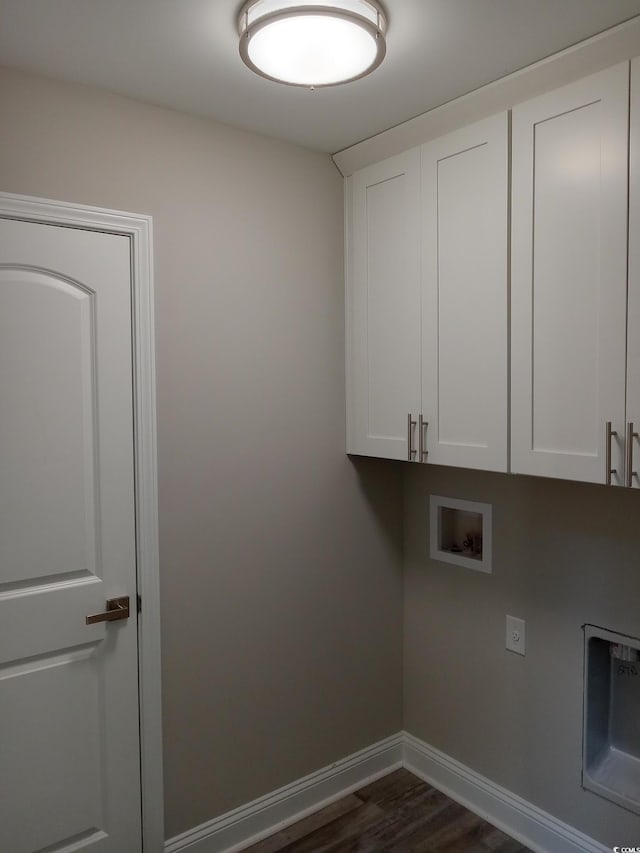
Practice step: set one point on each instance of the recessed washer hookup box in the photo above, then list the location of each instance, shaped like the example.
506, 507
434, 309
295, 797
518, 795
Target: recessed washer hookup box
611, 735
460, 532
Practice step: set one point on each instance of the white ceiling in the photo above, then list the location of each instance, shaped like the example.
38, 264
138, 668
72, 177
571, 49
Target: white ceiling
184, 54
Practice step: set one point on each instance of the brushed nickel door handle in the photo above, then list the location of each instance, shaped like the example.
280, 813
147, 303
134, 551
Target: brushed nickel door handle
117, 608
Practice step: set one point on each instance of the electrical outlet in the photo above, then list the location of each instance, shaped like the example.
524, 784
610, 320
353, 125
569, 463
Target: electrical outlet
515, 635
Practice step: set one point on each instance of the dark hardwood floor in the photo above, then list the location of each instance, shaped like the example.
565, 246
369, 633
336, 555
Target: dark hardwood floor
398, 813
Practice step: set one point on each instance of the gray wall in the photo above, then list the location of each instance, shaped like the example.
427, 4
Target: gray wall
280, 559
564, 554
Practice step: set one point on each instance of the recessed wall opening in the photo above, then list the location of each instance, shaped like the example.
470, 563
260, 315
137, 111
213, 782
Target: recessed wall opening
460, 532
611, 737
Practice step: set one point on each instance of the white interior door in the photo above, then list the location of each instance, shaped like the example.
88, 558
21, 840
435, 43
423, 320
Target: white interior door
464, 296
69, 750
569, 275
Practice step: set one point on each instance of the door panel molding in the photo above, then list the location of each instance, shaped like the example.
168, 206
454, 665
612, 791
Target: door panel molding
71, 308
139, 229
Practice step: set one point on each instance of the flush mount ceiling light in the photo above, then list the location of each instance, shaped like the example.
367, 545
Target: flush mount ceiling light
312, 44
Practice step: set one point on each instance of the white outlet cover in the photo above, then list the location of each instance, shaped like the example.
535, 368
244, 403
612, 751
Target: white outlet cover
515, 636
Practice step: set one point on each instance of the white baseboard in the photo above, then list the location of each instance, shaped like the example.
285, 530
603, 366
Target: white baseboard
235, 830
536, 829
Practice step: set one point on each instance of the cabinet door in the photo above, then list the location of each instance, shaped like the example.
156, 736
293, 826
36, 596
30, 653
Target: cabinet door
465, 296
633, 328
568, 285
383, 305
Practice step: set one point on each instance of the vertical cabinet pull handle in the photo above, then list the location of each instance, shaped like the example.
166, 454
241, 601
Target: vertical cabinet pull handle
630, 473
608, 469
422, 442
410, 425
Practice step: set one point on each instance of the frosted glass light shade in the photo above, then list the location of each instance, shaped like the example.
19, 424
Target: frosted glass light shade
312, 44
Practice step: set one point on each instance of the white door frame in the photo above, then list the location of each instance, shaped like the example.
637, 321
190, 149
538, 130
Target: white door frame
139, 230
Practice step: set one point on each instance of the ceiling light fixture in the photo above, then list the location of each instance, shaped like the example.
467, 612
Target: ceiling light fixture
314, 43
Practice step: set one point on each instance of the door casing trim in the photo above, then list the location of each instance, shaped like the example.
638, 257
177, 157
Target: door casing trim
139, 229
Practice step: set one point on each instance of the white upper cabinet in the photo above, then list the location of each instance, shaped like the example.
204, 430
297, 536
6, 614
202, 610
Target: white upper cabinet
465, 296
383, 306
428, 295
427, 302
632, 444
569, 280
